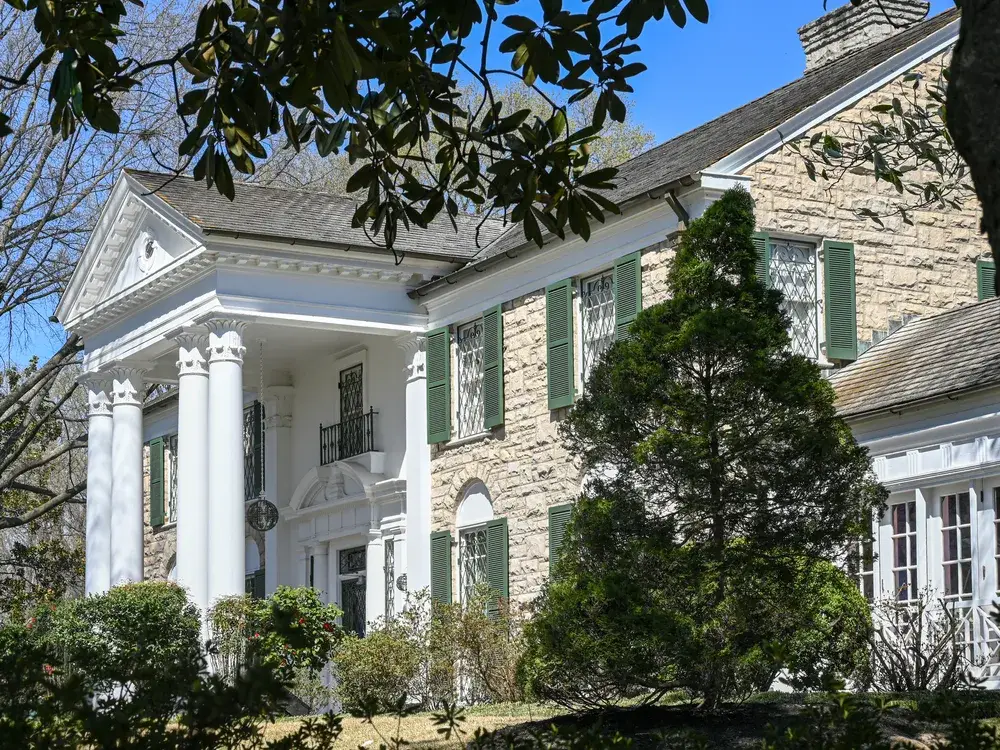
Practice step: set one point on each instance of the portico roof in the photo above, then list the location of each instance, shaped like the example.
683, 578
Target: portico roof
312, 217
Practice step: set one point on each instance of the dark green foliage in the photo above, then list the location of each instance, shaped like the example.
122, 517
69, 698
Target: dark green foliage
125, 669
720, 477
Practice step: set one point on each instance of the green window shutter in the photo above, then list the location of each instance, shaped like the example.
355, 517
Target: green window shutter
441, 566
156, 514
493, 367
986, 274
628, 292
559, 516
559, 343
841, 316
497, 564
439, 386
762, 243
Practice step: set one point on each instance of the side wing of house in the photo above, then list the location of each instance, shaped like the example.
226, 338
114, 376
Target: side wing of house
515, 333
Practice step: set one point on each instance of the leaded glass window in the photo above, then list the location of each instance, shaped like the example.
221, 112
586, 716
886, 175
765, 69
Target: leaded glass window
793, 273
470, 379
597, 307
904, 550
956, 531
471, 561
170, 459
352, 560
390, 577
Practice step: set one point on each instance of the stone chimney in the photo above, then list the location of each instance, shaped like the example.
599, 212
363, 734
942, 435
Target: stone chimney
850, 28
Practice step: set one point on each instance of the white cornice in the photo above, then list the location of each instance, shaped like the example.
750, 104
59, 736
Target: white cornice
874, 79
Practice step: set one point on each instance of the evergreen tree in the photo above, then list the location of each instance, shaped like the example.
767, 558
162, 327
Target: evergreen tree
719, 477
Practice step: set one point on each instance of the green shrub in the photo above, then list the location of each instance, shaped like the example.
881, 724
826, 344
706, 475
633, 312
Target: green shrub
126, 669
289, 631
145, 635
377, 669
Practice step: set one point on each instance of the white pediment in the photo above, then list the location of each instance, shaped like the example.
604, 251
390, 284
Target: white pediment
134, 240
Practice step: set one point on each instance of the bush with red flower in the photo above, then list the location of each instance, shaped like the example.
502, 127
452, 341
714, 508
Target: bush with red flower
290, 631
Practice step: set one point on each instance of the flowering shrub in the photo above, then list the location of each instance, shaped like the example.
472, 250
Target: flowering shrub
290, 631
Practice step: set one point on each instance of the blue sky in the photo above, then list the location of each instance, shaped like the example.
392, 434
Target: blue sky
747, 49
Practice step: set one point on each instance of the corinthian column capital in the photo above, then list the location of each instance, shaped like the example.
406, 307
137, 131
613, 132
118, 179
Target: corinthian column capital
127, 385
225, 340
98, 387
190, 357
414, 346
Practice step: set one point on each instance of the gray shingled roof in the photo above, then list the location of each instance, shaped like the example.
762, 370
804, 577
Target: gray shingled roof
285, 214
693, 151
925, 359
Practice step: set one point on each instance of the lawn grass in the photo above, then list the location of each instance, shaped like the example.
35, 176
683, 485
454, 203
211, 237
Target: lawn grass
419, 729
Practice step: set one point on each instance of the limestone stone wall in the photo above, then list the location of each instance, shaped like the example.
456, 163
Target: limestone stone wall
523, 463
924, 268
921, 269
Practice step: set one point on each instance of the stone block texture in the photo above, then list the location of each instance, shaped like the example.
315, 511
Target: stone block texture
924, 268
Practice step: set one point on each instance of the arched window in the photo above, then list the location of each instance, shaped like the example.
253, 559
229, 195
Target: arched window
474, 512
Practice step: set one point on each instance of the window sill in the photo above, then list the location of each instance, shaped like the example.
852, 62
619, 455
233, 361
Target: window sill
467, 440
164, 526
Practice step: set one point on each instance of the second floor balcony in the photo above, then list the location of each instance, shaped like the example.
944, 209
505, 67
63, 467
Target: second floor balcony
351, 437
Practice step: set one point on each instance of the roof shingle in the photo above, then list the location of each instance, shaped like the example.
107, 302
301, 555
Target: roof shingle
697, 149
286, 214
928, 358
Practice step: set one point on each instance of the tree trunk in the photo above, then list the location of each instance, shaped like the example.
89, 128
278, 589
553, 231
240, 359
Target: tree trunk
974, 107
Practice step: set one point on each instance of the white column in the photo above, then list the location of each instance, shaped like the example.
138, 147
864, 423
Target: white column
192, 468
320, 571
99, 476
417, 467
374, 577
226, 513
278, 402
126, 467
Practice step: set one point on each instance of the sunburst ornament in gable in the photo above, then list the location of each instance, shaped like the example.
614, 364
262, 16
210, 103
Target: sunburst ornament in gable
145, 249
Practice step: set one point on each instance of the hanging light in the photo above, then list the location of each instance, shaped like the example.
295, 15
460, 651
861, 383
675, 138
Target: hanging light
262, 514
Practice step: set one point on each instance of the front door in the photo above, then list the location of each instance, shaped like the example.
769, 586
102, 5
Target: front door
352, 597
352, 411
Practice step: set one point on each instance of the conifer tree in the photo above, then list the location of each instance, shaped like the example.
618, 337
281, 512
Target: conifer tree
719, 478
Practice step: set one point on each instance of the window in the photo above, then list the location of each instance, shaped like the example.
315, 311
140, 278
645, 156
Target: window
351, 566
904, 550
470, 379
996, 535
956, 532
471, 561
597, 309
390, 579
170, 460
253, 460
867, 572
792, 271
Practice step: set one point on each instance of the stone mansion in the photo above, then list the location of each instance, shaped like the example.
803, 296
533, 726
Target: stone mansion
403, 418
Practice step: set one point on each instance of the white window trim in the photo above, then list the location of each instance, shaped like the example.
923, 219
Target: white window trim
578, 333
819, 259
462, 549
456, 389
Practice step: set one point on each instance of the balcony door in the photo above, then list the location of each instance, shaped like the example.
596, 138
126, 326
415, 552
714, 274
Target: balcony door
352, 410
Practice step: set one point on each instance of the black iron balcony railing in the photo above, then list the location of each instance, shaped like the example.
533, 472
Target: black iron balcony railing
352, 437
